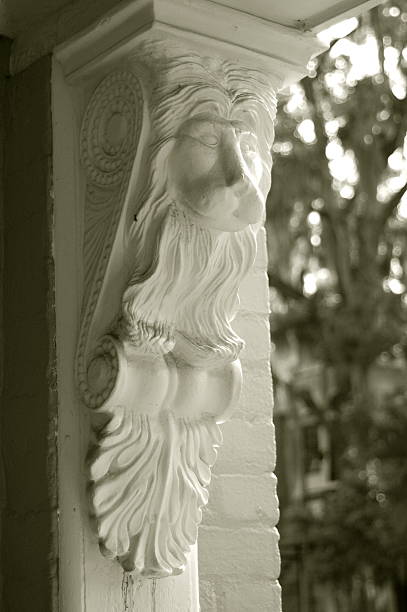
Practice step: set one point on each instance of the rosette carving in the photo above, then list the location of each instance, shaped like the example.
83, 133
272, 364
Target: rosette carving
102, 370
109, 138
111, 128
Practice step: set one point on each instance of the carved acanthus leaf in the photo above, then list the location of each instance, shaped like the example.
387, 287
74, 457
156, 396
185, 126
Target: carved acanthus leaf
149, 482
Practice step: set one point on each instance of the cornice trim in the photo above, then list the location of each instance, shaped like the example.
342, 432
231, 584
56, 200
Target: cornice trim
344, 10
282, 50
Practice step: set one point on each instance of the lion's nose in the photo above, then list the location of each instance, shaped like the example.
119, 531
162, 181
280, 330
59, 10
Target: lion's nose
234, 166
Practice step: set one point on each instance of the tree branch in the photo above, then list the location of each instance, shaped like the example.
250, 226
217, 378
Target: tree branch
285, 288
390, 207
338, 243
374, 14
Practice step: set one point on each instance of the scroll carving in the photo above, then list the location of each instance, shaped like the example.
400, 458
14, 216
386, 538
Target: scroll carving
176, 151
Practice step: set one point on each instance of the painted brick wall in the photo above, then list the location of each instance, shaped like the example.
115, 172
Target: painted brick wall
238, 543
28, 412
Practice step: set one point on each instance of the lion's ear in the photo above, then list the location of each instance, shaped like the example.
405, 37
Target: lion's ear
109, 143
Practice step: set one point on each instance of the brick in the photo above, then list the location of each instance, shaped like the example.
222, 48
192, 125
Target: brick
256, 399
253, 596
242, 500
254, 328
207, 596
261, 262
247, 449
238, 552
254, 293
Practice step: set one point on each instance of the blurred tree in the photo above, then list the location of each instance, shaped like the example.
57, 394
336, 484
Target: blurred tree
337, 236
360, 538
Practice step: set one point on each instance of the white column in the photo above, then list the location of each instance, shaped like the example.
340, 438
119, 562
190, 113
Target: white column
88, 581
162, 135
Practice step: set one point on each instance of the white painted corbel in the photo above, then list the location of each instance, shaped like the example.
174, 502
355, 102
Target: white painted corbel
168, 237
175, 151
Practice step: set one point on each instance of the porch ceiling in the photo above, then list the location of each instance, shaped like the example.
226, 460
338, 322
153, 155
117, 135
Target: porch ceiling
304, 14
17, 16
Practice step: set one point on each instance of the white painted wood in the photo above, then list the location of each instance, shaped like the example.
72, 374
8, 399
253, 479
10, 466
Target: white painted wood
147, 358
203, 375
17, 15
37, 27
88, 582
307, 15
68, 280
157, 355
232, 33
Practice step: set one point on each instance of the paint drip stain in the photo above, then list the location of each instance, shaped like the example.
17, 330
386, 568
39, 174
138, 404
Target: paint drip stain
127, 592
153, 590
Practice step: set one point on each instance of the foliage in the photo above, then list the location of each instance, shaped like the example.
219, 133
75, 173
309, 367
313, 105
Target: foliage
364, 522
338, 248
337, 235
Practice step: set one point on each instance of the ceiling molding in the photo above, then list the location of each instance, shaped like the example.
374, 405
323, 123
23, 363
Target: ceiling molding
283, 51
275, 23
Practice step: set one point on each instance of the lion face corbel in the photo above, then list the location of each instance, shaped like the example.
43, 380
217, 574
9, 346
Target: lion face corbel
216, 170
168, 238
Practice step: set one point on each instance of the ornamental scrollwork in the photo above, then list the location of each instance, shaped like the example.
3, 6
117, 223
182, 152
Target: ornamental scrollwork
176, 153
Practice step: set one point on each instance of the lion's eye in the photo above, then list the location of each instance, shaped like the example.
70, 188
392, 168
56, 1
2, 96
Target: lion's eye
208, 138
203, 132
